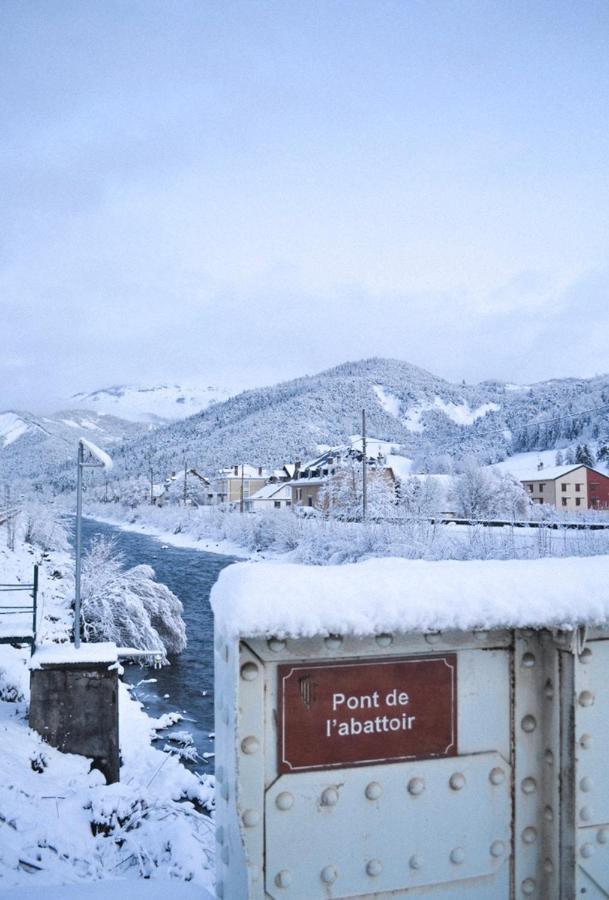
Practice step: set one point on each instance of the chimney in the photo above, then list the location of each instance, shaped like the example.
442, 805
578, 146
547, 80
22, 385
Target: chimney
260, 470
236, 469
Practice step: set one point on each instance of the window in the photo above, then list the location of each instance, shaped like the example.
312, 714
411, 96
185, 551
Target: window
277, 504
299, 493
309, 501
564, 501
563, 488
530, 487
578, 501
578, 487
541, 487
288, 502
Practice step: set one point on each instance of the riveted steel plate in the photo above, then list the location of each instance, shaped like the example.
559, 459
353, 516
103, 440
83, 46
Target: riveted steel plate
359, 831
372, 711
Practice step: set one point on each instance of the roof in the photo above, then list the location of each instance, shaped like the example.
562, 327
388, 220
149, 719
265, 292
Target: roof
269, 491
551, 473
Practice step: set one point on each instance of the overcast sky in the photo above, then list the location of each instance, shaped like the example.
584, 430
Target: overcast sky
237, 193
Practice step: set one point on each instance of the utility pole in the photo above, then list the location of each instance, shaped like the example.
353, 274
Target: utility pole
364, 468
151, 486
185, 486
241, 503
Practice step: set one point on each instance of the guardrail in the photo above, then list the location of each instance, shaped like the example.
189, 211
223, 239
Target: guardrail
19, 633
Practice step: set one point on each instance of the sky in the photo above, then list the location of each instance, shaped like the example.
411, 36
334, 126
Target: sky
236, 193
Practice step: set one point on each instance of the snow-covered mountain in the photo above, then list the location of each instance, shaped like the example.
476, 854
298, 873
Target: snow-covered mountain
161, 403
31, 446
425, 416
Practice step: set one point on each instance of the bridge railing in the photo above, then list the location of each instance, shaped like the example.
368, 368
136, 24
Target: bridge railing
18, 621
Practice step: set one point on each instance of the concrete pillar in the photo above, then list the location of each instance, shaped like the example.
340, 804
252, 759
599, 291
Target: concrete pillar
74, 706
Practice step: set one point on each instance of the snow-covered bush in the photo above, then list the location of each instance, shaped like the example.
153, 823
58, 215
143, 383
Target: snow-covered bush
42, 526
128, 606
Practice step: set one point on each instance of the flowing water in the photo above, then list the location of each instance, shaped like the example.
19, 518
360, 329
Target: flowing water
187, 685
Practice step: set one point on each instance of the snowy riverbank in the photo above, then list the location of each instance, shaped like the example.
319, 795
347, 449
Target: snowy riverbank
319, 541
60, 823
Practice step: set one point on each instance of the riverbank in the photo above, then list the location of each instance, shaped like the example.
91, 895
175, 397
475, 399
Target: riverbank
183, 540
61, 823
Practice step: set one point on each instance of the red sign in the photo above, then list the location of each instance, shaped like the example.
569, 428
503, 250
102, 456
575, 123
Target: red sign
349, 714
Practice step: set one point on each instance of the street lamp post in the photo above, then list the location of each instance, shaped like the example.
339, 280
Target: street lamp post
102, 461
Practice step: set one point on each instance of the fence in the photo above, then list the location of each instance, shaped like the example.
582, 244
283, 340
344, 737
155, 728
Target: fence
15, 625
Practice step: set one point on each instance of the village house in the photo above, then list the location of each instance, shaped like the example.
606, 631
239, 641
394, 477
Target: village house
237, 481
334, 467
571, 488
275, 495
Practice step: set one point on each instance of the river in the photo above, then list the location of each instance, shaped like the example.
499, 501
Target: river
187, 685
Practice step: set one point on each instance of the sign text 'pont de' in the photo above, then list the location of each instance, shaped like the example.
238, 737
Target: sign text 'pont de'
345, 714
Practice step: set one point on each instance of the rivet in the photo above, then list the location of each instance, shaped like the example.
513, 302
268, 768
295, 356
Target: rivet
374, 867
528, 785
329, 797
549, 757
529, 724
225, 791
220, 834
250, 818
225, 854
373, 790
586, 698
284, 800
416, 786
585, 741
528, 660
585, 814
250, 744
497, 849
587, 850
333, 642
549, 689
457, 856
548, 814
433, 637
480, 635
457, 781
529, 835
497, 776
220, 889
548, 865
329, 874
276, 645
585, 656
603, 836
249, 671
415, 861
585, 784
528, 886
384, 640
283, 879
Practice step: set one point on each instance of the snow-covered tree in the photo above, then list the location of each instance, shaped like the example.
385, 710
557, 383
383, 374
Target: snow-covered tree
42, 525
128, 606
421, 496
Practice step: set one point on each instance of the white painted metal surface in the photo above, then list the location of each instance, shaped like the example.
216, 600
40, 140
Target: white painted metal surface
521, 811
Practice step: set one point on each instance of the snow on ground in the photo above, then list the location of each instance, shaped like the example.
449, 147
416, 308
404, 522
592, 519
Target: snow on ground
385, 595
60, 824
460, 413
389, 402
